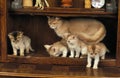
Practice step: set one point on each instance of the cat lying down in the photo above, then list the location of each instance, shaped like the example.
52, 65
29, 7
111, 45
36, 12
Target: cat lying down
20, 42
88, 30
58, 48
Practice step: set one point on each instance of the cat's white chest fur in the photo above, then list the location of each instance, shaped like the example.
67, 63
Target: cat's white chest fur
76, 46
18, 45
73, 45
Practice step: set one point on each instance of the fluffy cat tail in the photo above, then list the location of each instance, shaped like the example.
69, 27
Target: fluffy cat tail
31, 49
107, 50
97, 37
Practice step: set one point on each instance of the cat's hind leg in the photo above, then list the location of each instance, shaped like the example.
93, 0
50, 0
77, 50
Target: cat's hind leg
27, 50
103, 57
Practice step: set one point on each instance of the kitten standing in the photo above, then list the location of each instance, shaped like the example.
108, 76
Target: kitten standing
76, 46
20, 42
96, 51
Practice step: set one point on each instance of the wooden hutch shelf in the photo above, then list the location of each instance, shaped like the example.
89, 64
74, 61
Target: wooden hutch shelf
33, 23
57, 60
65, 12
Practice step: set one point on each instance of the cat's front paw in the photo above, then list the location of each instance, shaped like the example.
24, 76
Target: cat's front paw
81, 57
22, 54
95, 67
88, 65
63, 56
71, 56
76, 56
15, 54
36, 5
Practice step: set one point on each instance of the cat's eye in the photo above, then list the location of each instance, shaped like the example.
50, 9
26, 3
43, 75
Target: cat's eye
54, 23
18, 37
73, 37
95, 53
68, 41
54, 49
91, 53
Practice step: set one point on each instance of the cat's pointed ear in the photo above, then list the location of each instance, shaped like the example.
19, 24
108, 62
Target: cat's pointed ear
21, 33
47, 46
9, 35
48, 17
57, 18
76, 36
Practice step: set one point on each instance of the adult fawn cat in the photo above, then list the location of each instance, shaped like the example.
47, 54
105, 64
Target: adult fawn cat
88, 30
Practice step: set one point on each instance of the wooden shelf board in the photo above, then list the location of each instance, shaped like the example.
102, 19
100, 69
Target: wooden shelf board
63, 12
42, 57
57, 60
17, 70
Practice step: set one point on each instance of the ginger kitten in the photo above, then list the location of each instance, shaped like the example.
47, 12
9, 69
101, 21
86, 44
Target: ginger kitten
58, 48
96, 51
76, 46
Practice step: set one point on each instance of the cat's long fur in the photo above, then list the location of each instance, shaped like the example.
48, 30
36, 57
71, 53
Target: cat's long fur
88, 30
20, 42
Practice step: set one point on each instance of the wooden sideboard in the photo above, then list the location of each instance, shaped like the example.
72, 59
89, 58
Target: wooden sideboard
33, 22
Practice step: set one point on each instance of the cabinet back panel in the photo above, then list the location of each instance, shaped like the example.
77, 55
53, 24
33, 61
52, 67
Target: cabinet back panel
111, 34
34, 27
